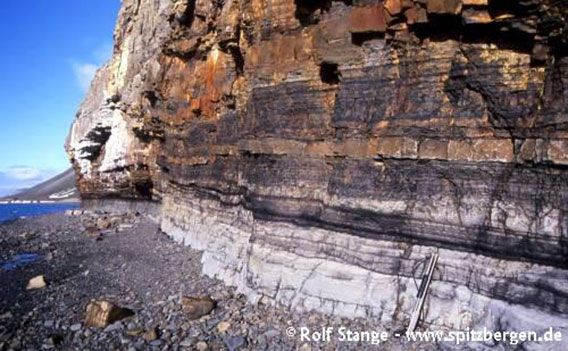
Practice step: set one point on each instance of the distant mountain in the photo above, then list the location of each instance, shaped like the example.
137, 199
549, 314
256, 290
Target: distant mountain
59, 188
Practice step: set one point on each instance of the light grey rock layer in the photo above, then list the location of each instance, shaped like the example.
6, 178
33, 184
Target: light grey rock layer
315, 269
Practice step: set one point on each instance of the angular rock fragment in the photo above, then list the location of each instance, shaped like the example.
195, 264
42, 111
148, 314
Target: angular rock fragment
36, 283
197, 307
444, 7
102, 313
150, 335
223, 326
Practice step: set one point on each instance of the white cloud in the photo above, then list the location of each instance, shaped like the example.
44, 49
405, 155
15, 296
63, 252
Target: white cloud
84, 74
23, 173
84, 71
16, 178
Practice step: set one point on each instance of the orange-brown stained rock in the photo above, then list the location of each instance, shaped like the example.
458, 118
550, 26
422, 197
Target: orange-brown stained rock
196, 307
394, 7
433, 149
212, 83
416, 14
451, 7
280, 13
406, 4
275, 59
200, 86
367, 19
475, 2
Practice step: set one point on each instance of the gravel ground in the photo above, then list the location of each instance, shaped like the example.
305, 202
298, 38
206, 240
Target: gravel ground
125, 259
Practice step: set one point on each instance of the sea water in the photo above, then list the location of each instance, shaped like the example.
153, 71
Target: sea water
13, 211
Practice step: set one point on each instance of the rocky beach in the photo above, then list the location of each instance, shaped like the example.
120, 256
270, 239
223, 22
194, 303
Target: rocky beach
257, 175
126, 260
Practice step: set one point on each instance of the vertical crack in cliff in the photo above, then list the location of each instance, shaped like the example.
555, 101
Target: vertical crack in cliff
501, 115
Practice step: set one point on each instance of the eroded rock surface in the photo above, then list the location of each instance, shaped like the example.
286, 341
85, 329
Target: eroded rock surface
317, 151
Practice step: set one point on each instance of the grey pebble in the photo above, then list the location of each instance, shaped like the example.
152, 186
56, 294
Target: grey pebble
156, 343
187, 342
114, 327
272, 333
235, 342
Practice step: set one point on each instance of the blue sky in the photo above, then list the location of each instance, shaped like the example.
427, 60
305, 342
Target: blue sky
50, 50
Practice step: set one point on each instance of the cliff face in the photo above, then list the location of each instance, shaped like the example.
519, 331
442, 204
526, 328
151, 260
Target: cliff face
317, 151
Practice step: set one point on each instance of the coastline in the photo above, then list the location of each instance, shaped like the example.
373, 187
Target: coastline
18, 210
25, 202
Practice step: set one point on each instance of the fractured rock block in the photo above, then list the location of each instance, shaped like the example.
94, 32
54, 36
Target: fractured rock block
367, 19
497, 150
102, 313
558, 152
433, 149
397, 147
444, 7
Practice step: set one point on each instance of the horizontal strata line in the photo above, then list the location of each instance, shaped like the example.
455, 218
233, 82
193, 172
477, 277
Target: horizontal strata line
501, 150
364, 223
473, 286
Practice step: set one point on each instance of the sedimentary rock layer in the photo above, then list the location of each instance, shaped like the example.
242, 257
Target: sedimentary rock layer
319, 150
